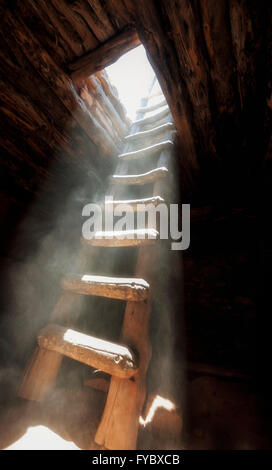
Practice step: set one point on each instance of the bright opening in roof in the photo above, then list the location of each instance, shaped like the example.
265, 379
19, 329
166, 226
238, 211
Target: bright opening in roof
132, 75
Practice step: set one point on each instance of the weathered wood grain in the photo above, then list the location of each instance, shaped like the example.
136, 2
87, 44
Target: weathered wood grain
40, 375
112, 94
105, 54
146, 152
75, 24
153, 118
37, 18
108, 107
30, 87
58, 82
143, 135
138, 237
103, 26
135, 204
134, 289
114, 359
140, 179
152, 107
163, 58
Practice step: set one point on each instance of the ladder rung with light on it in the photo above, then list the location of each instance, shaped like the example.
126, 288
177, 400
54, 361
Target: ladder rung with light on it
112, 358
144, 178
127, 289
146, 152
153, 107
143, 135
119, 238
155, 117
55, 341
155, 94
134, 204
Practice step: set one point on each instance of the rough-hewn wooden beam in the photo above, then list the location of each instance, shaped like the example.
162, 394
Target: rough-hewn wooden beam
153, 118
113, 238
42, 17
113, 287
135, 204
112, 94
108, 107
55, 341
142, 135
217, 36
163, 57
40, 375
153, 107
155, 94
57, 81
144, 178
56, 119
146, 152
105, 54
29, 118
113, 358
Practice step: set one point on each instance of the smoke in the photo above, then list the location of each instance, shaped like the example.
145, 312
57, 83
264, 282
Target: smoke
45, 248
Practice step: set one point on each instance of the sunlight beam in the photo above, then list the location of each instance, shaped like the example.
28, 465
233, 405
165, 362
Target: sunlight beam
131, 75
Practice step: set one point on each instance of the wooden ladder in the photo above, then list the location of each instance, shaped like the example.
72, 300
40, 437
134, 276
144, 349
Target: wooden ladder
127, 362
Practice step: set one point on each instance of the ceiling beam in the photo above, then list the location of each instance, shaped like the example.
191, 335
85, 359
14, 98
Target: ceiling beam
105, 54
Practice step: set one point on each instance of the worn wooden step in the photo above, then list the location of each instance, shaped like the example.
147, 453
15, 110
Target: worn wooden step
54, 342
154, 94
138, 237
142, 135
113, 358
153, 107
144, 178
135, 204
146, 152
133, 289
151, 119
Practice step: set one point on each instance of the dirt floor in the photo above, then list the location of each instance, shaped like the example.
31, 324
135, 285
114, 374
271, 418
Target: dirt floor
220, 414
68, 414
68, 420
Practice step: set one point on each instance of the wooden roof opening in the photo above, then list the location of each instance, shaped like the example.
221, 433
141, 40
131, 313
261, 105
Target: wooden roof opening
62, 128
105, 54
132, 75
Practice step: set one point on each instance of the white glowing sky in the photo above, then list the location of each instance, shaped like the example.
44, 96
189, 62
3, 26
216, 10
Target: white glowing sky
131, 75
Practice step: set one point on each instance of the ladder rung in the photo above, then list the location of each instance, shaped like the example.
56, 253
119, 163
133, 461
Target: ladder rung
153, 94
137, 237
133, 289
151, 132
153, 118
147, 151
143, 178
136, 204
147, 109
113, 358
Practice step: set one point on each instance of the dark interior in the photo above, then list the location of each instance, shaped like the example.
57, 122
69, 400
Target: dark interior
59, 142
